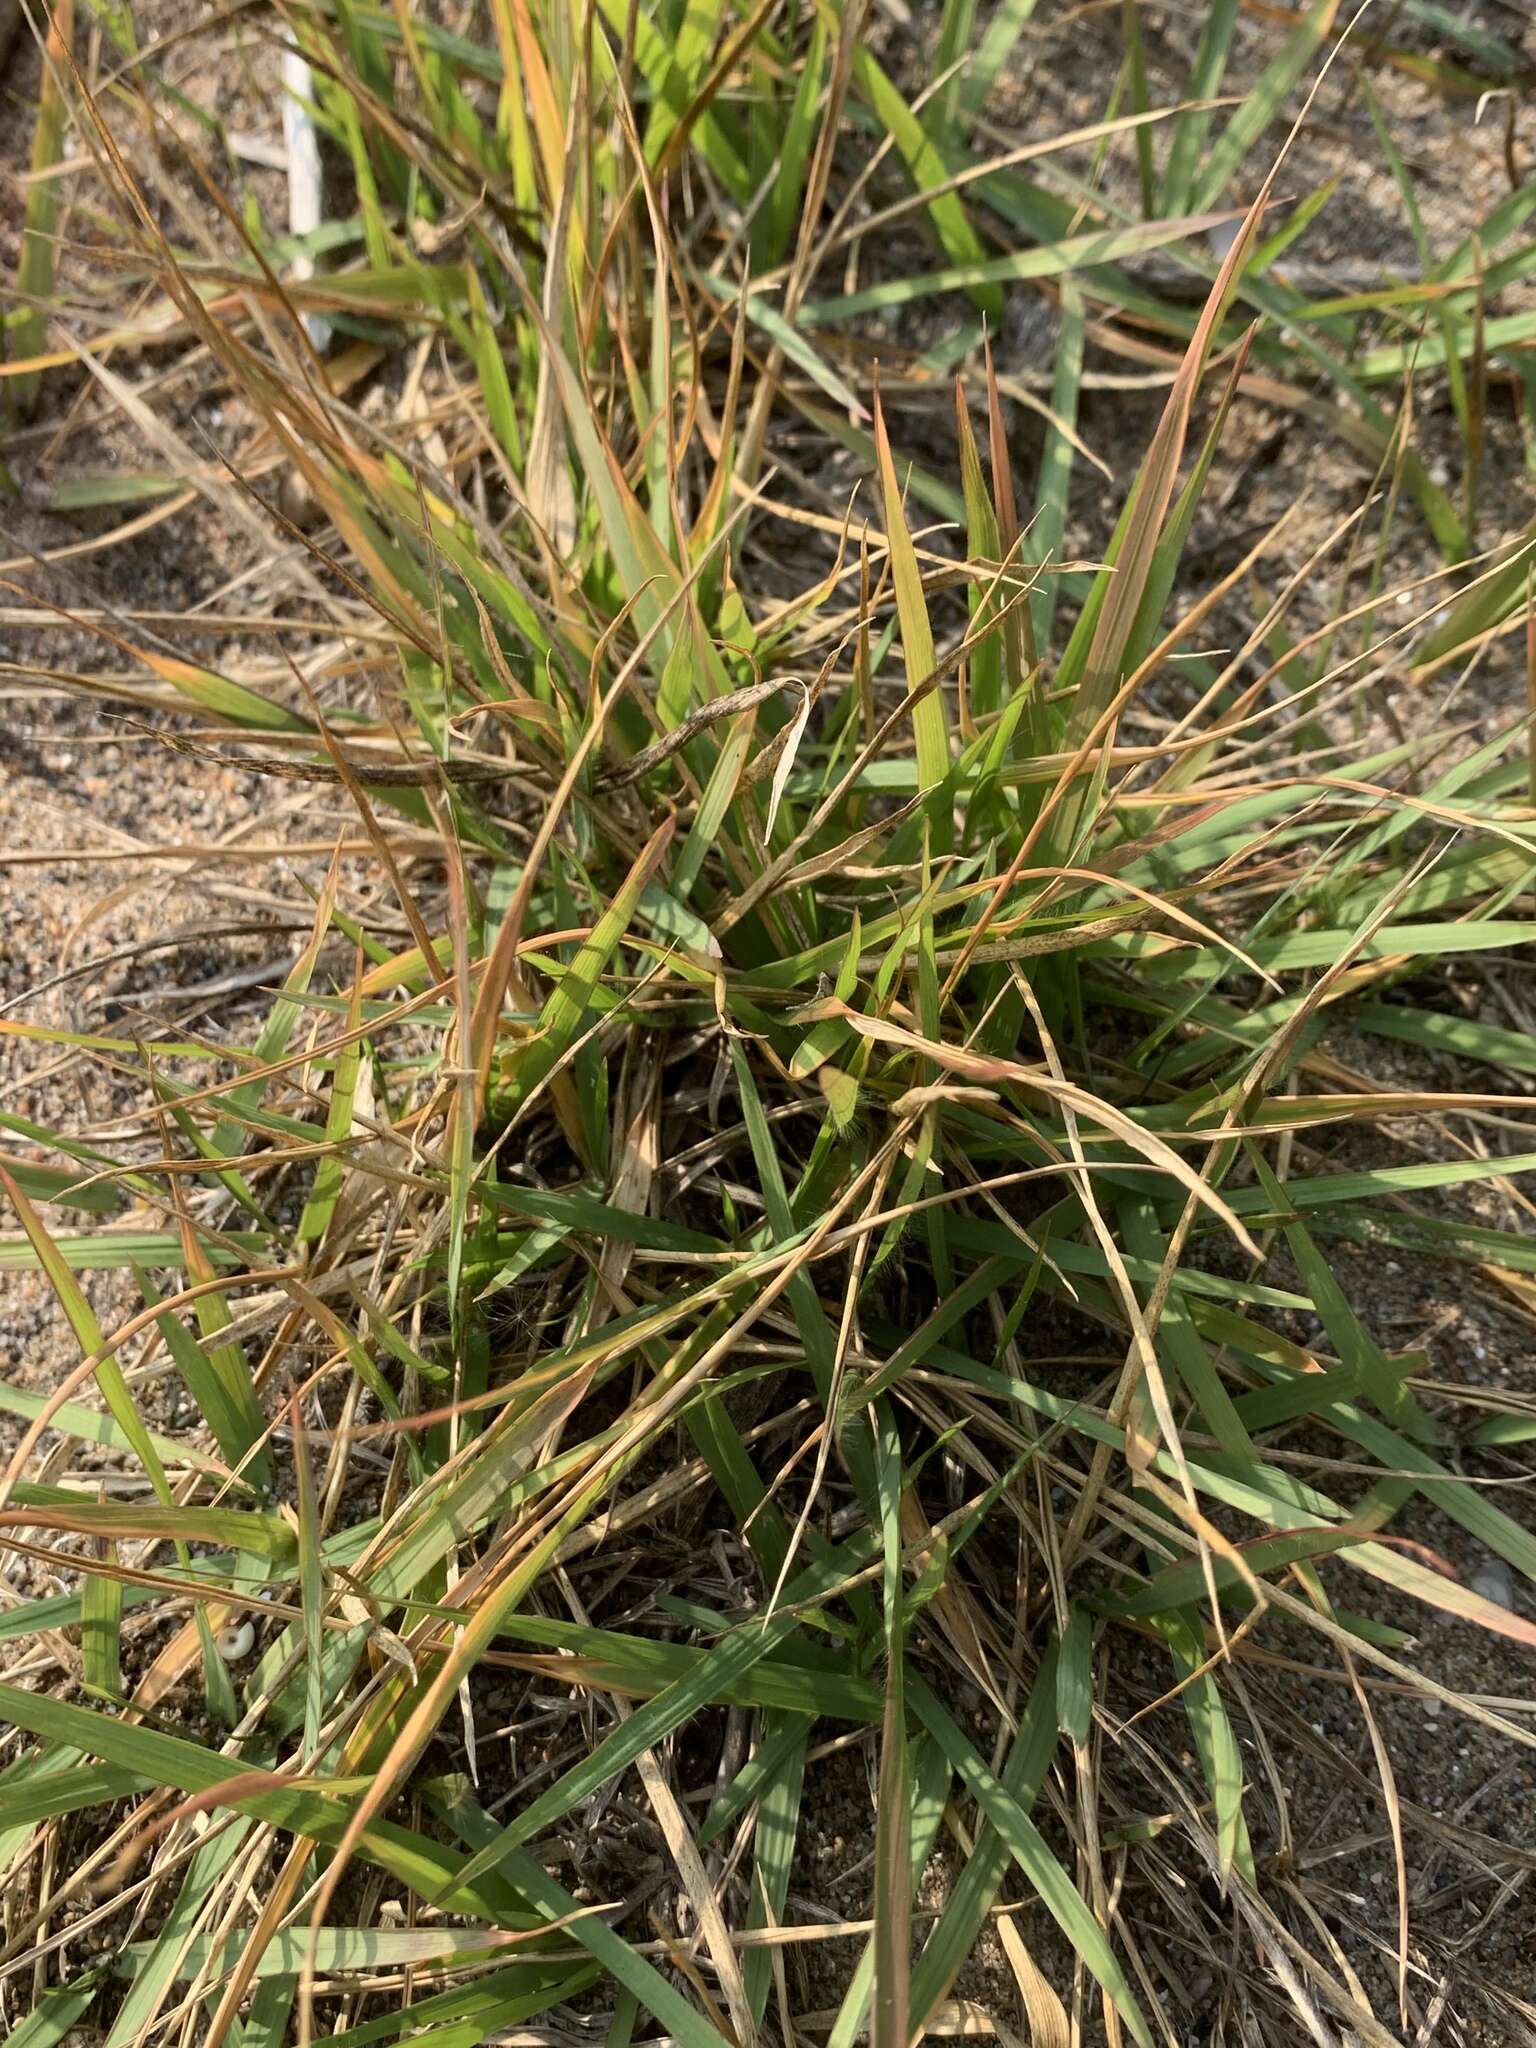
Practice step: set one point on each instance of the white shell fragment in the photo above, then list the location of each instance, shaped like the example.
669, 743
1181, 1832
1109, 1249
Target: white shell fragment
235, 1640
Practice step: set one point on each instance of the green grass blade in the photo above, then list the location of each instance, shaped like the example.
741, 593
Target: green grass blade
1264, 102
930, 723
1032, 1854
1193, 125
926, 166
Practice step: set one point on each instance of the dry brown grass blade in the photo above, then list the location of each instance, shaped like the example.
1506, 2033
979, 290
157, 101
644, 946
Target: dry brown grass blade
990, 1067
701, 1896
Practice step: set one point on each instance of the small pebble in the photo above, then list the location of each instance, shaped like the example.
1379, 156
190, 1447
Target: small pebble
1494, 1580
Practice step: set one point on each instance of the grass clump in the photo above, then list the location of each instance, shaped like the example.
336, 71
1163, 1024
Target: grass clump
781, 1209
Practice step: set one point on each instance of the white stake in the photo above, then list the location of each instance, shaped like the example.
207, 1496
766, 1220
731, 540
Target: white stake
304, 185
